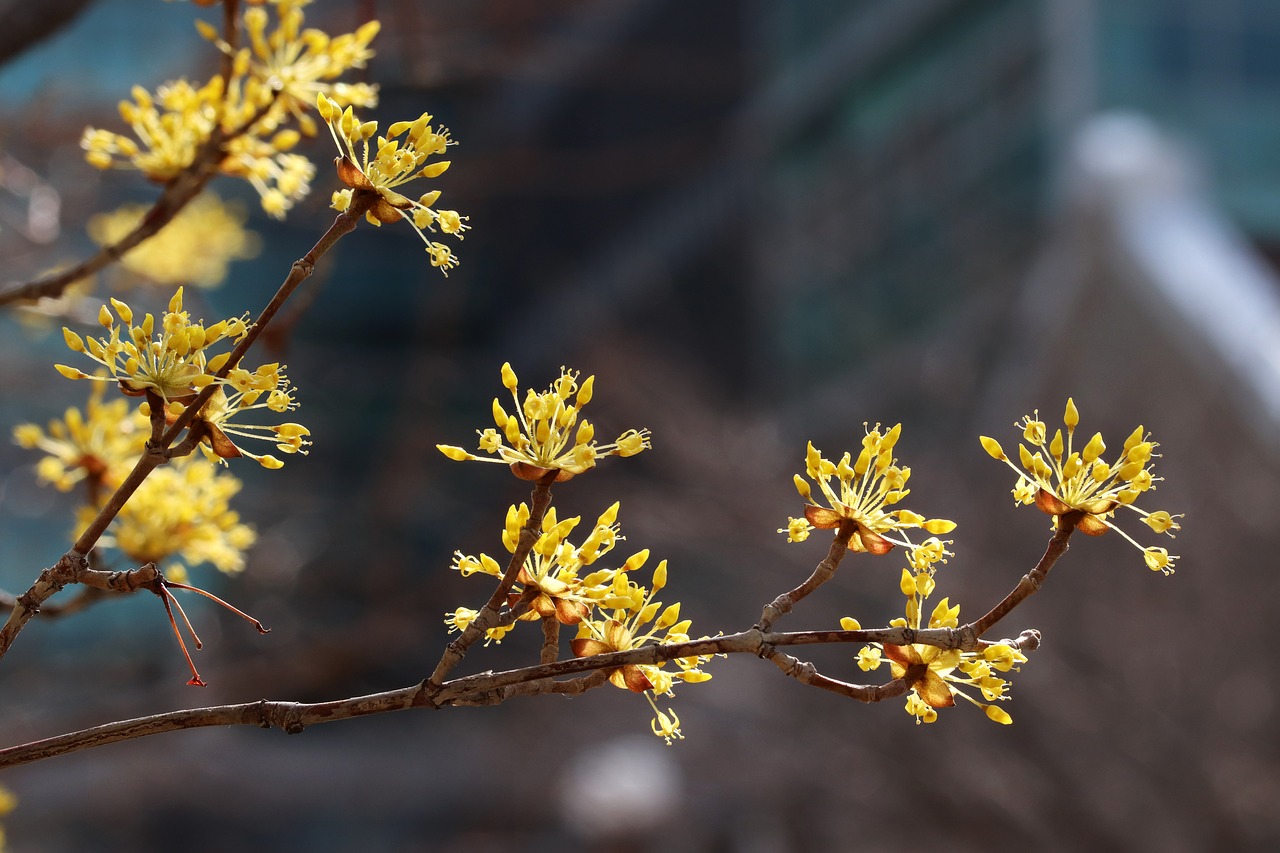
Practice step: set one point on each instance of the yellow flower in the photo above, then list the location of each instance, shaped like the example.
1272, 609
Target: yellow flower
666, 726
550, 579
1081, 486
169, 365
290, 66
182, 510
867, 487
174, 363
394, 163
271, 81
100, 444
619, 625
939, 675
220, 413
194, 248
461, 619
797, 529
545, 434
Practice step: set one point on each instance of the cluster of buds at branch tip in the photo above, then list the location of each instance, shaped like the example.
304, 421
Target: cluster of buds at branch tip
864, 490
384, 167
172, 360
545, 433
1079, 487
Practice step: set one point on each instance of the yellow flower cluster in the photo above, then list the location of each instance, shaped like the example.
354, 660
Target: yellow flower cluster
867, 488
98, 445
550, 581
628, 618
545, 433
181, 510
293, 65
172, 360
946, 673
612, 612
395, 162
194, 248
270, 82
1084, 488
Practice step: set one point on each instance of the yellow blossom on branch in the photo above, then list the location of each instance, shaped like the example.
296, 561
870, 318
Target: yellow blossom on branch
545, 433
172, 360
194, 248
168, 359
290, 65
940, 674
100, 444
395, 162
271, 82
628, 618
181, 511
551, 582
1081, 486
863, 492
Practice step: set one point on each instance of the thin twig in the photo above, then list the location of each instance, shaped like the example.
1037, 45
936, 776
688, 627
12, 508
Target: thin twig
1032, 580
539, 501
82, 601
550, 640
821, 574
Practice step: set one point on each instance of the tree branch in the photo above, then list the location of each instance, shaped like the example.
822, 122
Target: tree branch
1032, 580
821, 574
491, 688
539, 501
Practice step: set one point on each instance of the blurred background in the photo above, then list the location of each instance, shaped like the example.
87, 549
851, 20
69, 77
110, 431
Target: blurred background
757, 224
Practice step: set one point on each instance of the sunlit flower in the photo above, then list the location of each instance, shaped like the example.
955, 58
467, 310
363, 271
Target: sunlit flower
290, 65
1084, 488
181, 511
271, 82
100, 444
461, 619
395, 162
865, 488
625, 619
174, 362
551, 580
666, 725
194, 248
168, 360
545, 434
940, 674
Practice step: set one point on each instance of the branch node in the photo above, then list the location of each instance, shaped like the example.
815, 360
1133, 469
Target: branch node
286, 716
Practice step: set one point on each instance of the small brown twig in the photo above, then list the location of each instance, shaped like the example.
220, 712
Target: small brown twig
824, 571
1032, 580
550, 640
82, 601
539, 501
